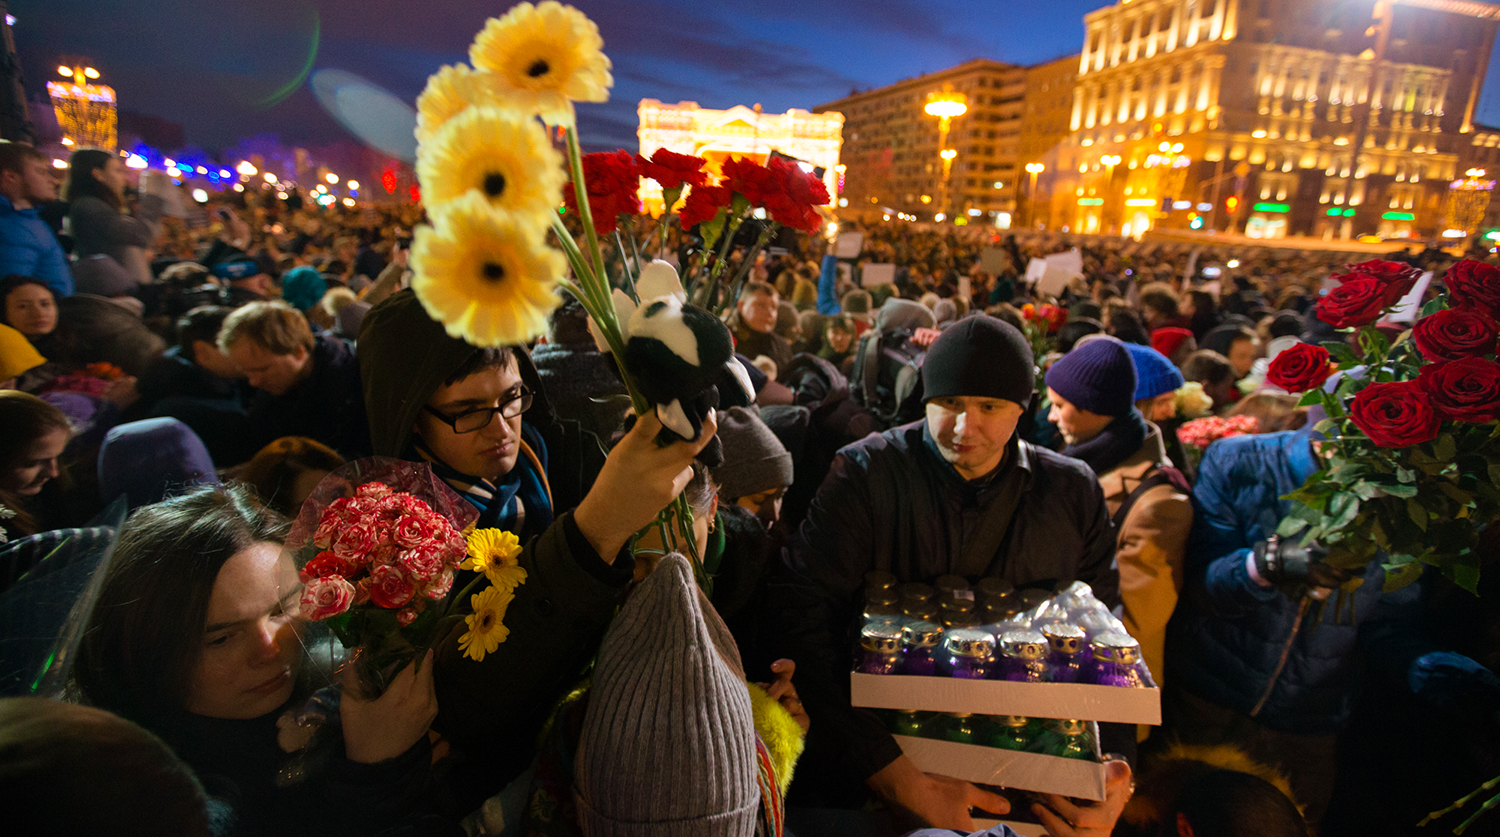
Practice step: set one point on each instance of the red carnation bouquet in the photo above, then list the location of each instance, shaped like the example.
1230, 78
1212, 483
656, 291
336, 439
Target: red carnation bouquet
786, 194
1413, 462
378, 544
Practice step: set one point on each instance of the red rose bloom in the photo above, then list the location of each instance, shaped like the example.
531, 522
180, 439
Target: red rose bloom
323, 598
1300, 368
672, 170
1395, 415
1357, 302
1464, 390
1454, 334
355, 541
422, 564
1475, 285
390, 588
1391, 273
613, 184
702, 204
324, 564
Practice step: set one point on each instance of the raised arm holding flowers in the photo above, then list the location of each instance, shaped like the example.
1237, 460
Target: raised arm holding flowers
1413, 462
486, 269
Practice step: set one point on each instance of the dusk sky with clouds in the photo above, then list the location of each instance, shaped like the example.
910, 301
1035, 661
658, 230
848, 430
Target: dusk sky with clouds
212, 65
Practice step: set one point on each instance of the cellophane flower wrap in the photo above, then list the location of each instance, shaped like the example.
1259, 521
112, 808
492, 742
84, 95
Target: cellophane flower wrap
377, 546
1412, 449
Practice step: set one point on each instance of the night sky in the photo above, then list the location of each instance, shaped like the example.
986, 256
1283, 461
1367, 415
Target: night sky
217, 66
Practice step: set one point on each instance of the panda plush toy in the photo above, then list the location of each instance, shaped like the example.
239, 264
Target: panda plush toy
681, 356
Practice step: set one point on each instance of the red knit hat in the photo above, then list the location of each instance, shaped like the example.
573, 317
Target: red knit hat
1167, 339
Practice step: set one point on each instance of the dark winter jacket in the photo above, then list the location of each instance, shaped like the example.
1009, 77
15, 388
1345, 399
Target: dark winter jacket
1226, 640
259, 790
890, 502
327, 406
574, 376
174, 374
492, 710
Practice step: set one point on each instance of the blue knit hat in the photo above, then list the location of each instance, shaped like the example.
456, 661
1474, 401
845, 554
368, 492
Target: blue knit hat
302, 287
1098, 377
1154, 372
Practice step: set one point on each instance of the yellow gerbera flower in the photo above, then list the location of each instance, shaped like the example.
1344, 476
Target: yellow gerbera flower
486, 626
549, 54
449, 92
494, 552
487, 275
503, 155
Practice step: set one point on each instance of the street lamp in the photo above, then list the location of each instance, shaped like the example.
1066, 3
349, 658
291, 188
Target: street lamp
1033, 169
246, 168
946, 106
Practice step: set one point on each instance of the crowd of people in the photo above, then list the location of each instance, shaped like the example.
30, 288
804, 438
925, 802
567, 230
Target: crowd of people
952, 428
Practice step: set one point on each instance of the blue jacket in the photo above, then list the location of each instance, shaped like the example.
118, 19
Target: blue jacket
1228, 634
28, 248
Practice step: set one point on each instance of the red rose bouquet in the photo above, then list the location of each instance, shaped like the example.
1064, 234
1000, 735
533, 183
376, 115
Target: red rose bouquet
1412, 463
379, 544
1198, 434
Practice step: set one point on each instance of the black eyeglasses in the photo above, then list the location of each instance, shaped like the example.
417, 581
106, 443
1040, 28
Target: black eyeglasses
470, 421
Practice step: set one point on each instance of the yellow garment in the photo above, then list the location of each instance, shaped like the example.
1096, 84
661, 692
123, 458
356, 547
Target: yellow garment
17, 355
781, 733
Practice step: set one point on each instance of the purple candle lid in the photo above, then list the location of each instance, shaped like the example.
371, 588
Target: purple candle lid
882, 639
1117, 647
1024, 644
1065, 638
966, 642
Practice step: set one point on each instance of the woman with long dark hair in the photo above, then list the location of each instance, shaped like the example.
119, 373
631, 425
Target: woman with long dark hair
33, 435
196, 637
96, 213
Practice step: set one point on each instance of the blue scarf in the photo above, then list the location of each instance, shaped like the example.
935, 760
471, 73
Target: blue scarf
519, 502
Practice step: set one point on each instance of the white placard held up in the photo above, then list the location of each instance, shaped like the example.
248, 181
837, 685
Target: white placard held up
849, 245
1036, 270
877, 274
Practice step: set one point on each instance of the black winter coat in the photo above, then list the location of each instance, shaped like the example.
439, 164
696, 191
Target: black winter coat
891, 503
329, 406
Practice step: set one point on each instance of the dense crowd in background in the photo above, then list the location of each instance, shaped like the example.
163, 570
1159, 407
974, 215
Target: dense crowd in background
209, 370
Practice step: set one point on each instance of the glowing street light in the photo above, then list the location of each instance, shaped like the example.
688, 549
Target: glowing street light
270, 178
353, 185
1033, 169
200, 196
333, 179
246, 168
946, 105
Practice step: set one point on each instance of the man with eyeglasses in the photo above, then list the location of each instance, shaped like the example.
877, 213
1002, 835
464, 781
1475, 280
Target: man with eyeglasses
481, 419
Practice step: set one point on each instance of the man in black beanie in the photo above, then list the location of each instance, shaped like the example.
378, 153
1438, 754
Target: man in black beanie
955, 494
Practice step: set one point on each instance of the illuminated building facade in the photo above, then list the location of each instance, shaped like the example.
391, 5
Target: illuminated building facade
1314, 117
1483, 153
86, 112
891, 145
718, 135
1045, 124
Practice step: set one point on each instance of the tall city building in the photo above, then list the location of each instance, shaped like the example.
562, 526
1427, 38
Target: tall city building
1046, 122
893, 145
1273, 117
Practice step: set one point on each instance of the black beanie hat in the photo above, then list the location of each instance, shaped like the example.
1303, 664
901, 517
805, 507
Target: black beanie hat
983, 357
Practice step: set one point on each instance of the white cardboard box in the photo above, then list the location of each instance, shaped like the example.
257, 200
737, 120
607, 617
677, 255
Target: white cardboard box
1001, 697
1007, 768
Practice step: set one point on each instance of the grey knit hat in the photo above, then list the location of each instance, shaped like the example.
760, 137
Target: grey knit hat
668, 741
754, 460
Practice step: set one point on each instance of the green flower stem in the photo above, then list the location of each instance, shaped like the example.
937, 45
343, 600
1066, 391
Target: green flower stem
580, 190
749, 262
624, 263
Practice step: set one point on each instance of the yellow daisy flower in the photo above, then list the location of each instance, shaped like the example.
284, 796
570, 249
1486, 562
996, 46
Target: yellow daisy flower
486, 626
503, 155
495, 552
549, 54
486, 275
449, 92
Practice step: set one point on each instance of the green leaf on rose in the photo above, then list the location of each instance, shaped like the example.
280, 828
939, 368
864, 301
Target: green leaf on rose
1403, 491
1407, 475
1456, 494
1418, 514
1366, 490
1445, 447
1290, 526
1464, 575
1309, 398
1433, 306
1400, 573
1341, 354
1342, 510
1494, 470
